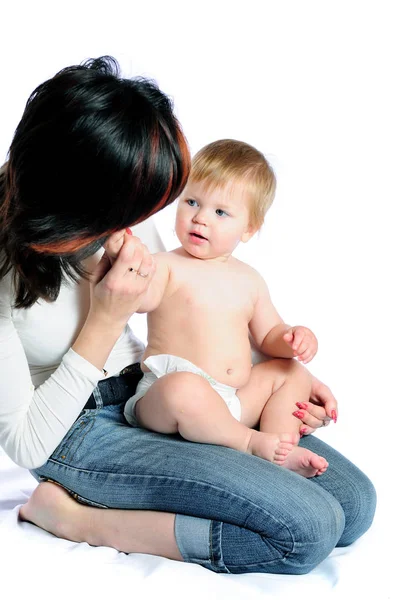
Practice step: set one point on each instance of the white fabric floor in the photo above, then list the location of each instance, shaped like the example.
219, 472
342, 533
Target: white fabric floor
33, 559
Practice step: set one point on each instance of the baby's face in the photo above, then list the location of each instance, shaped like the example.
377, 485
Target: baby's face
210, 223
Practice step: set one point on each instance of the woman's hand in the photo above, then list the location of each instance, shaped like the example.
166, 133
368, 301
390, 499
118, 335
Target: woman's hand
321, 409
117, 289
115, 242
121, 278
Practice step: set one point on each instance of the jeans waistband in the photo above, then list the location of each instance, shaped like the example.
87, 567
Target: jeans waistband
116, 389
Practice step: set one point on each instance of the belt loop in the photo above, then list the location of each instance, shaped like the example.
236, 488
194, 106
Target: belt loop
97, 396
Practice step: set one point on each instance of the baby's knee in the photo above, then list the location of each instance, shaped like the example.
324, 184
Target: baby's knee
182, 390
290, 370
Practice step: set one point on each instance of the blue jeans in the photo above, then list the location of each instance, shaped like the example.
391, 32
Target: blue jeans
236, 513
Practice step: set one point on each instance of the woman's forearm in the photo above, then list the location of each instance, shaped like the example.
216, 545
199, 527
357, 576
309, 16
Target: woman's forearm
97, 338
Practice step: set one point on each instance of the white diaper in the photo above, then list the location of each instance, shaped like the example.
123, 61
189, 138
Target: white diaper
162, 364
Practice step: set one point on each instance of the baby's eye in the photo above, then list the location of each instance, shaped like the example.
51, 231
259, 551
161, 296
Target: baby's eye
221, 212
191, 202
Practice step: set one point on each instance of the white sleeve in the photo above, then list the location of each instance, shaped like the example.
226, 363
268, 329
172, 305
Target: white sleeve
34, 421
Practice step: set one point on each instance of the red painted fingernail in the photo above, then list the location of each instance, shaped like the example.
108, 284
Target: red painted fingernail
334, 416
128, 231
302, 405
299, 414
303, 431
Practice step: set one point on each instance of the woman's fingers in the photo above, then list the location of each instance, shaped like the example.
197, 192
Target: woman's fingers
114, 244
305, 430
312, 415
130, 256
135, 257
310, 420
102, 268
321, 395
146, 268
316, 411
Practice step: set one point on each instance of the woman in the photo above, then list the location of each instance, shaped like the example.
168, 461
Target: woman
93, 155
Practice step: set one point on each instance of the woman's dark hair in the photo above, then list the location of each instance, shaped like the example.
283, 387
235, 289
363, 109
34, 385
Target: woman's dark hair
92, 154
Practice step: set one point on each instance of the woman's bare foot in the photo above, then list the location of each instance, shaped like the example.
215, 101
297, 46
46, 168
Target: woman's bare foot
274, 447
304, 462
51, 508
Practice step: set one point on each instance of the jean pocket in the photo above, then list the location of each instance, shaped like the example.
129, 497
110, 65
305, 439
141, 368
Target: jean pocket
71, 443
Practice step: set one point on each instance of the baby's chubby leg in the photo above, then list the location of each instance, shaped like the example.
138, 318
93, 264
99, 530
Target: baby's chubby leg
185, 403
269, 398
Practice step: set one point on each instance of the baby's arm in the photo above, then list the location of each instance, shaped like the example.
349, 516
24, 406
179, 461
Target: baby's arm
274, 337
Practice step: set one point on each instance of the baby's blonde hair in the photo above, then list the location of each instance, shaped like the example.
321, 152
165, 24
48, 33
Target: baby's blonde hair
231, 161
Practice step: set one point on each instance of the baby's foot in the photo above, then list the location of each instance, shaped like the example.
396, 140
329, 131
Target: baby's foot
274, 447
304, 462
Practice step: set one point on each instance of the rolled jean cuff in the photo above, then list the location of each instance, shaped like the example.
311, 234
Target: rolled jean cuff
193, 538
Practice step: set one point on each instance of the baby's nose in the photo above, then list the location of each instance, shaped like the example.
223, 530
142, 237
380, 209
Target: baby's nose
200, 217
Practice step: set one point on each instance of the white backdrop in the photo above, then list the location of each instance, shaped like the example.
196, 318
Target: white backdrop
313, 85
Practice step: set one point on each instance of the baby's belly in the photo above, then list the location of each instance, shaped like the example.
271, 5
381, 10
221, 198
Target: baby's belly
228, 362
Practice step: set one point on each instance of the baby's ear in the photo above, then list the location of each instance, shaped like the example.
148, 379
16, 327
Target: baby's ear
248, 233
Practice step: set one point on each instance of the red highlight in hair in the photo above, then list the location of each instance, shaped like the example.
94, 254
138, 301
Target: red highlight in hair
71, 246
68, 247
186, 163
186, 159
160, 204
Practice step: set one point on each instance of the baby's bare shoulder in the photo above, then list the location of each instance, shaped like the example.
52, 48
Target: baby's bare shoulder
162, 256
171, 263
247, 270
164, 259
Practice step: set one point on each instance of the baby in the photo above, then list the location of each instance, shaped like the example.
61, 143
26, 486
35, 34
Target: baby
202, 302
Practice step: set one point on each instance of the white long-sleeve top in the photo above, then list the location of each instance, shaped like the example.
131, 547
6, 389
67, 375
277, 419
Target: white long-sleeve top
44, 384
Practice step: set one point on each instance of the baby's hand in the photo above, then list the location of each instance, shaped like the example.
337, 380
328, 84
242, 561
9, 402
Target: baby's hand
303, 343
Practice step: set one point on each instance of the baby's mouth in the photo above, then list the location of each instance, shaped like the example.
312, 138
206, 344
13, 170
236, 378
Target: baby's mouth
201, 237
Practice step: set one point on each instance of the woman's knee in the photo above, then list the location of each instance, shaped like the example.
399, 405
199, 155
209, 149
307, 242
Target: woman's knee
315, 540
315, 534
291, 545
359, 510
349, 485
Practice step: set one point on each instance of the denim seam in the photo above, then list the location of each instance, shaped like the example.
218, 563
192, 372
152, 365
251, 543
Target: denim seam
218, 561
195, 483
75, 445
77, 497
224, 569
210, 545
98, 397
350, 483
